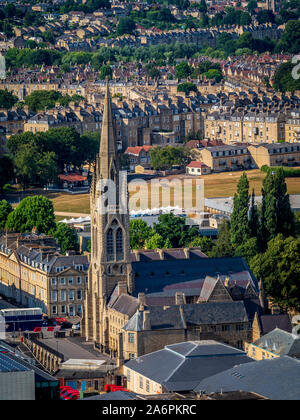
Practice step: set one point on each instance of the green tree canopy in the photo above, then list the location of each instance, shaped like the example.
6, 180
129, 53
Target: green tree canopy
183, 70
140, 232
284, 80
125, 26
279, 268
5, 210
175, 229
6, 171
154, 241
205, 243
239, 223
223, 246
277, 216
36, 211
7, 99
187, 87
66, 237
105, 72
165, 157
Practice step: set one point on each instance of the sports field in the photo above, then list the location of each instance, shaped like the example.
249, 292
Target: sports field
215, 185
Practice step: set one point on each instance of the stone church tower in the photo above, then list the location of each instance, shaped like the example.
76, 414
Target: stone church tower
110, 246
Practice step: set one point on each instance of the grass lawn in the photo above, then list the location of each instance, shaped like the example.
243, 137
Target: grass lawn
70, 203
215, 185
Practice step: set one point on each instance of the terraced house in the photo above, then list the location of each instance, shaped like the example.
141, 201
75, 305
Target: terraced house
255, 126
34, 273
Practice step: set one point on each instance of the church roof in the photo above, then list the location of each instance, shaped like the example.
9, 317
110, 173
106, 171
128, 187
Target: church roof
180, 316
126, 304
157, 276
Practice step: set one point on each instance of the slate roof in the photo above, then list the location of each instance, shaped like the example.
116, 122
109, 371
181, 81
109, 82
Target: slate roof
280, 342
158, 275
178, 367
209, 286
73, 374
126, 304
276, 379
178, 317
269, 322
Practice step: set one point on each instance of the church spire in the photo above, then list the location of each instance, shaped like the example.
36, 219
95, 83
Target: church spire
108, 149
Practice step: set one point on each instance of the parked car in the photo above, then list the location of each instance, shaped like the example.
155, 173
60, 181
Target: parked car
76, 327
68, 393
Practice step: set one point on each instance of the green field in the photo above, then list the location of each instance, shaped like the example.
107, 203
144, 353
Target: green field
215, 185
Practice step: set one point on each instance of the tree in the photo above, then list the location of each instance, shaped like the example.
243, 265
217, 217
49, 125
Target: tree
5, 210
155, 241
175, 229
140, 232
284, 80
40, 99
167, 244
204, 20
279, 268
187, 87
265, 16
105, 72
182, 70
252, 4
48, 36
153, 72
205, 243
253, 217
6, 171
277, 216
26, 164
165, 157
223, 246
290, 39
247, 249
10, 10
36, 211
203, 6
47, 169
7, 99
66, 237
214, 74
125, 26
245, 19
239, 223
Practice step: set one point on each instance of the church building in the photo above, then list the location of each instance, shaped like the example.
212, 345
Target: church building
139, 301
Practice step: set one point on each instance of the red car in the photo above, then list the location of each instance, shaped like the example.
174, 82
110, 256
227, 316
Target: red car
68, 393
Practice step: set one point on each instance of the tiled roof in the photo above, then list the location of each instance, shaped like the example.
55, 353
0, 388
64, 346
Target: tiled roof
195, 164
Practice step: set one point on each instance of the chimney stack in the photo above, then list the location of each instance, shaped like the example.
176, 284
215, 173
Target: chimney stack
142, 301
146, 320
180, 298
122, 288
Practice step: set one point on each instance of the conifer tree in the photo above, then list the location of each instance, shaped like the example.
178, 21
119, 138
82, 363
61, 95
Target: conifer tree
277, 216
239, 222
253, 217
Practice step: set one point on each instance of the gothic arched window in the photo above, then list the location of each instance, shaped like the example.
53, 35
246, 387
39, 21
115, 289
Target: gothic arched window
119, 244
110, 245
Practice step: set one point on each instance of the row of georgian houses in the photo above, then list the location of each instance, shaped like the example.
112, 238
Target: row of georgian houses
35, 274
